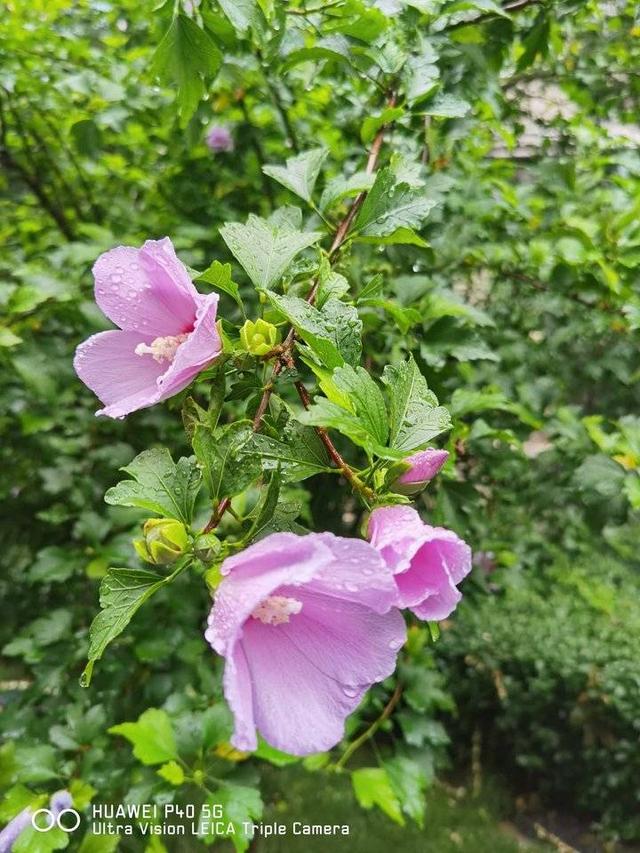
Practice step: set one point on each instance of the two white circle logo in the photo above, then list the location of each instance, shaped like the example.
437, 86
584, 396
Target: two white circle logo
56, 820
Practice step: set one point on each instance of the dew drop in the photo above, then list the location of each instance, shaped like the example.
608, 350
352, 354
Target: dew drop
351, 692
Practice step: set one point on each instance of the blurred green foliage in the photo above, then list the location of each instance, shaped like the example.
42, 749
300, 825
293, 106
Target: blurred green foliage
518, 298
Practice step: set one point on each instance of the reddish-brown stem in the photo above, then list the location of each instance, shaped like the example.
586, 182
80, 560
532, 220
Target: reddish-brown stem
284, 354
347, 472
373, 728
219, 511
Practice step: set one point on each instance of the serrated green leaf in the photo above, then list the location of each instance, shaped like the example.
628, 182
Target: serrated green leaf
365, 398
333, 47
159, 485
333, 333
362, 417
373, 288
172, 772
185, 56
219, 276
122, 593
372, 787
415, 416
404, 318
299, 453
400, 237
408, 782
151, 736
446, 106
227, 468
265, 249
244, 15
421, 76
241, 806
340, 188
266, 508
300, 172
390, 205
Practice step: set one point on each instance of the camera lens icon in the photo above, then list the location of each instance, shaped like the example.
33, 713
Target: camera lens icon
51, 820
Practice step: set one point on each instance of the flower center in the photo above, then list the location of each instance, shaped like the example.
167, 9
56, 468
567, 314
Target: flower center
162, 349
277, 609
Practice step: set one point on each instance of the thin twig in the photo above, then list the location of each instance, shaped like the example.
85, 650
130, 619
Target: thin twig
345, 469
516, 6
289, 130
373, 728
542, 288
219, 511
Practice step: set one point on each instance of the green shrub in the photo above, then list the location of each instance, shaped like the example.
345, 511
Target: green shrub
552, 679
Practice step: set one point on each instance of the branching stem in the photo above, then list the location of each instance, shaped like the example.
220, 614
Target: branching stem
285, 350
373, 728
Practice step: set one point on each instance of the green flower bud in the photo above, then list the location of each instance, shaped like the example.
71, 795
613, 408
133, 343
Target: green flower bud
165, 540
258, 337
206, 547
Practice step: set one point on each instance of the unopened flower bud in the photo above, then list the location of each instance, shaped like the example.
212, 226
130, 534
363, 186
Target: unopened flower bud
165, 540
219, 138
258, 337
424, 467
206, 547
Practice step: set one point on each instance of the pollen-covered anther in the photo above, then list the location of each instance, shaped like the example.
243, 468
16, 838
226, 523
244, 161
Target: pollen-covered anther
276, 609
162, 349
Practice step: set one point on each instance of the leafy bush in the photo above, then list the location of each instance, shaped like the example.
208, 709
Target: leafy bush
551, 679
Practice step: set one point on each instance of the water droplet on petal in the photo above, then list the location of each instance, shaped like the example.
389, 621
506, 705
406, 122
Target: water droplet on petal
349, 691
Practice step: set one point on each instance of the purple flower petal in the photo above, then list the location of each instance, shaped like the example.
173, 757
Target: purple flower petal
219, 139
145, 290
201, 347
297, 707
168, 332
427, 561
439, 606
107, 363
335, 636
304, 636
424, 467
238, 692
254, 574
14, 829
357, 573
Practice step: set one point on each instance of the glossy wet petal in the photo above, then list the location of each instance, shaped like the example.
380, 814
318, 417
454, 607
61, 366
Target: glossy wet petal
124, 382
146, 290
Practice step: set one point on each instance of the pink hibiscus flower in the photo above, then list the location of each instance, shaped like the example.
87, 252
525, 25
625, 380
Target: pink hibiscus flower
424, 466
167, 331
427, 562
306, 625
